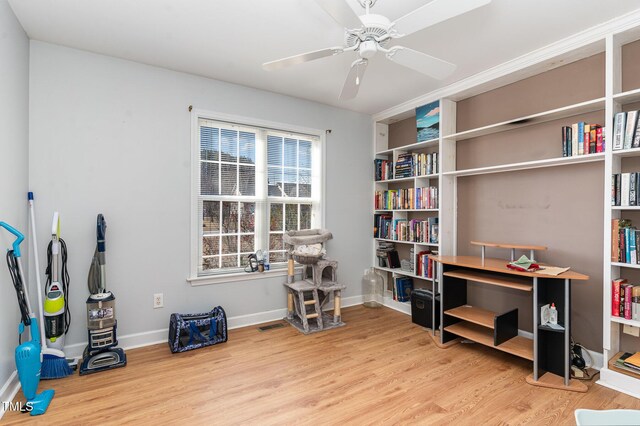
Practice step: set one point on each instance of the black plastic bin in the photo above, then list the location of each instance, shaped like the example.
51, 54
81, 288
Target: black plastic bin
421, 302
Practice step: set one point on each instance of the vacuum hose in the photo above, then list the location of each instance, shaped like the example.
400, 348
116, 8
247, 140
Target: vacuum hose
18, 284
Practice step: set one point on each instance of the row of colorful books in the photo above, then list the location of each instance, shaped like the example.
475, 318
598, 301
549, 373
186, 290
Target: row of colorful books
625, 299
629, 362
425, 164
409, 198
625, 242
404, 165
424, 265
383, 169
582, 138
625, 189
625, 131
415, 230
402, 289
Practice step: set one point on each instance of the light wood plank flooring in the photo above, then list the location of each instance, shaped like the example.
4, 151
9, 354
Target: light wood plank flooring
380, 368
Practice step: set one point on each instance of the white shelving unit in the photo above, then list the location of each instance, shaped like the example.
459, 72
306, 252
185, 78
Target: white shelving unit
614, 100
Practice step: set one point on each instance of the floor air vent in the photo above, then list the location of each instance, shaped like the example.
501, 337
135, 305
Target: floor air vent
271, 326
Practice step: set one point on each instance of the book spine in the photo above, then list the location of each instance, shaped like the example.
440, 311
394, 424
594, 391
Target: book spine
599, 139
621, 301
627, 245
618, 130
632, 245
615, 298
630, 128
593, 139
565, 140
624, 192
615, 244
632, 188
587, 138
618, 189
636, 303
574, 139
627, 301
581, 138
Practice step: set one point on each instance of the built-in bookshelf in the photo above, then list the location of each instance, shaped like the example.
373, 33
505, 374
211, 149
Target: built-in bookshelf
622, 164
511, 127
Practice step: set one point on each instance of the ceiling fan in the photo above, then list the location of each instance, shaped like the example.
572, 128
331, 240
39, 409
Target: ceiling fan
369, 34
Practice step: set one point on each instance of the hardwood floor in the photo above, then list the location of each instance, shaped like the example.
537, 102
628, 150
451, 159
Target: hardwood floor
380, 368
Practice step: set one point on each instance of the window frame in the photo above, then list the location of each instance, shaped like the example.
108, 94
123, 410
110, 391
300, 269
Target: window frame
318, 198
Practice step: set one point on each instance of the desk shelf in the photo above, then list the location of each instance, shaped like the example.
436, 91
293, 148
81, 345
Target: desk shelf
518, 284
474, 315
518, 346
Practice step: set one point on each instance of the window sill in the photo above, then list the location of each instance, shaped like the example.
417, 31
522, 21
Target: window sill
240, 276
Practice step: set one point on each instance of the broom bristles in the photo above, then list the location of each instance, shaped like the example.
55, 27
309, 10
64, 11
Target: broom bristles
54, 367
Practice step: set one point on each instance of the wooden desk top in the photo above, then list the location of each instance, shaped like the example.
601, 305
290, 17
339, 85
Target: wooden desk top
500, 265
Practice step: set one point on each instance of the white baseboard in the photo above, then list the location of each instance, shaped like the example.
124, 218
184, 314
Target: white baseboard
9, 391
147, 338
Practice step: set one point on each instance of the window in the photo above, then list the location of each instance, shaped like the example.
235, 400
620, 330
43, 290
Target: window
252, 184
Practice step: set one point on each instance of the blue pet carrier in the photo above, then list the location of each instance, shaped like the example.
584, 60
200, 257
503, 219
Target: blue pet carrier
193, 331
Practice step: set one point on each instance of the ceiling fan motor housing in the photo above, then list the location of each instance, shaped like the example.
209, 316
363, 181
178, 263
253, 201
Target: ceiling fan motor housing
373, 26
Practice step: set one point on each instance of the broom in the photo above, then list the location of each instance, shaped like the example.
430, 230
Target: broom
54, 363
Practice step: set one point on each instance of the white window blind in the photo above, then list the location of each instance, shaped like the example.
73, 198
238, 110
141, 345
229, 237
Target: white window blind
254, 184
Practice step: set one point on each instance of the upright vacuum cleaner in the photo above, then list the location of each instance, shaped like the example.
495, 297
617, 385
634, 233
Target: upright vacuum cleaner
101, 353
28, 354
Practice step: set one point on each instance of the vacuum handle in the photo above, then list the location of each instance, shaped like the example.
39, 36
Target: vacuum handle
19, 237
101, 231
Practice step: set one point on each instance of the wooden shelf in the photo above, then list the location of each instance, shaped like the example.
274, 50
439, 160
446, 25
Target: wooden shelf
625, 207
474, 315
404, 179
626, 265
407, 242
518, 346
612, 366
405, 273
633, 152
537, 164
411, 146
511, 282
542, 117
619, 320
506, 245
628, 97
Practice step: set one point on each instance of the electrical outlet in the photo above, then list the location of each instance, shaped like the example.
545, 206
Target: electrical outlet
158, 300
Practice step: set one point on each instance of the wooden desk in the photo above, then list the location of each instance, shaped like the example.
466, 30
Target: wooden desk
549, 349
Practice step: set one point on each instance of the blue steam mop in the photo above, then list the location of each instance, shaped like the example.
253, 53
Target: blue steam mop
28, 355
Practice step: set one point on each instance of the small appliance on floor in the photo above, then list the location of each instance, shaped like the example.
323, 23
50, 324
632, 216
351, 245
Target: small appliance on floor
101, 352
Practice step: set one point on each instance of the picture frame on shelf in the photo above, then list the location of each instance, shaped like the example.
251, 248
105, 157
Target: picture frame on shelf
428, 121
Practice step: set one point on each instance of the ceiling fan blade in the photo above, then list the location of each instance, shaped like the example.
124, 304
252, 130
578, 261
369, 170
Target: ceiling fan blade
341, 13
434, 12
354, 79
303, 57
421, 62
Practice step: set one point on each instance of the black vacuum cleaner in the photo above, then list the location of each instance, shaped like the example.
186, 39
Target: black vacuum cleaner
101, 352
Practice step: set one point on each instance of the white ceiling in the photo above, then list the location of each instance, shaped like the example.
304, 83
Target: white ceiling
229, 39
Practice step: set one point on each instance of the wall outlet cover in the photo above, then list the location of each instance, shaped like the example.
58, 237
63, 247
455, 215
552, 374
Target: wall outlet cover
629, 329
158, 300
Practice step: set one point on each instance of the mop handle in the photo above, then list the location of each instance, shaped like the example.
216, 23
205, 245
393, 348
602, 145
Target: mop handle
32, 216
19, 237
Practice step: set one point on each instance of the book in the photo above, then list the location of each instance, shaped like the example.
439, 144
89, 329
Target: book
614, 202
587, 138
636, 137
624, 191
635, 303
615, 243
599, 139
631, 239
630, 129
628, 289
632, 188
581, 138
619, 122
633, 360
618, 188
592, 139
566, 137
574, 139
615, 295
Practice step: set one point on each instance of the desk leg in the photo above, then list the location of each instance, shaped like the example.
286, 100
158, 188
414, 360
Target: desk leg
535, 328
567, 330
441, 285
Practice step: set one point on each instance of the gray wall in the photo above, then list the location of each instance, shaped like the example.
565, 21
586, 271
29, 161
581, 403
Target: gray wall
113, 136
14, 138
